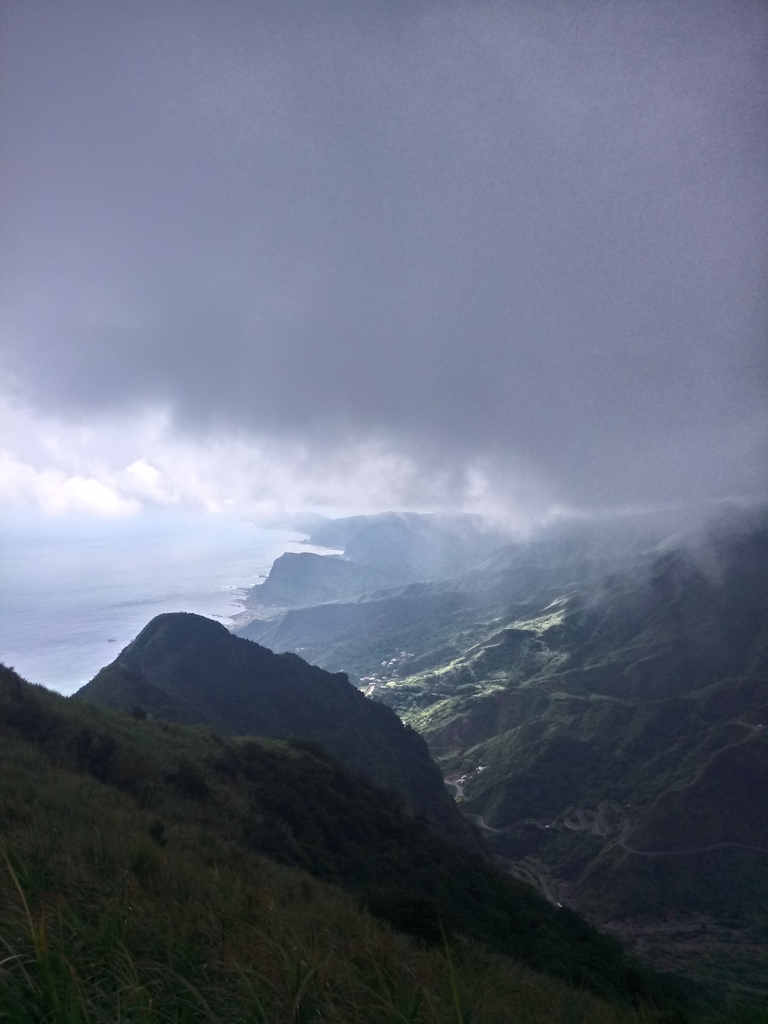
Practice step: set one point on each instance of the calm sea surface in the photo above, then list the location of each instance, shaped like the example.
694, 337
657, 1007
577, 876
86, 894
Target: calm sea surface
72, 595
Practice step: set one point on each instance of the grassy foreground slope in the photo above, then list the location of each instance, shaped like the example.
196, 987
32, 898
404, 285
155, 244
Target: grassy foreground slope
134, 886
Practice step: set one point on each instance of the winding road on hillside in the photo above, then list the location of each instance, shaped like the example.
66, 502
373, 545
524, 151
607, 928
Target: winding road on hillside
686, 853
584, 819
588, 820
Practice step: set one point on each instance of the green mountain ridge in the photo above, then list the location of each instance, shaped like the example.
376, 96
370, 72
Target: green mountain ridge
438, 619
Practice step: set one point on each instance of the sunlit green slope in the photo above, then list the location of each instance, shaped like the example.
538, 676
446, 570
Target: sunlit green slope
619, 720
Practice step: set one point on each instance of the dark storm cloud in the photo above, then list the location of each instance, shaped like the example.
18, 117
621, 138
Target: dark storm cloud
528, 233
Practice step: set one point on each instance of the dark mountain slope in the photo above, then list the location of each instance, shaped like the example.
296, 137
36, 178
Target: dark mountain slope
187, 668
191, 789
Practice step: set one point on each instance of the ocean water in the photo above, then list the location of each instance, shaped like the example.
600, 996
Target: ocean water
74, 593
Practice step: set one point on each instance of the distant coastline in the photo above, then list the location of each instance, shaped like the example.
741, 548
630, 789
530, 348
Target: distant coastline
69, 599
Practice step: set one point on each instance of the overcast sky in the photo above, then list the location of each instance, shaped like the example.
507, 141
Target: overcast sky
382, 253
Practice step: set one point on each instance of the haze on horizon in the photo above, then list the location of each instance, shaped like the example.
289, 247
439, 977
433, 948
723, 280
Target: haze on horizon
480, 255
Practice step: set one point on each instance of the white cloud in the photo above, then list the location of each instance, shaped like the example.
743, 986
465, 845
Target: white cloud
55, 493
122, 464
142, 470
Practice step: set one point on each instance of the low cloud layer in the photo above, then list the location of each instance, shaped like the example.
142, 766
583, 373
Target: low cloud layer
393, 252
116, 466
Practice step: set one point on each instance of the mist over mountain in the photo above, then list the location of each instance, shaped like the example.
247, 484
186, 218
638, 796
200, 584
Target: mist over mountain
449, 594
379, 551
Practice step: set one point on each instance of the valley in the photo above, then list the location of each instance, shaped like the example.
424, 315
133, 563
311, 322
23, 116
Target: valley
596, 702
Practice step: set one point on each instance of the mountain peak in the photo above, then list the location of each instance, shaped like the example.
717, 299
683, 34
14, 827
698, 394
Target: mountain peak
186, 668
